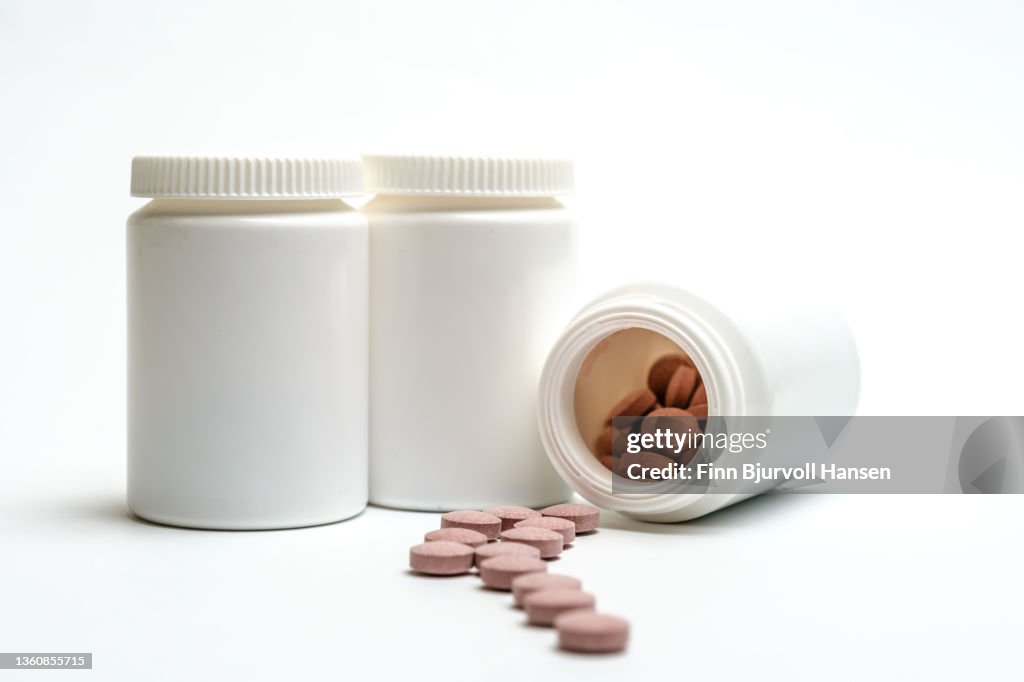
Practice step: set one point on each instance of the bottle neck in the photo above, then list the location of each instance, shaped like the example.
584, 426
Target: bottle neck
400, 203
166, 206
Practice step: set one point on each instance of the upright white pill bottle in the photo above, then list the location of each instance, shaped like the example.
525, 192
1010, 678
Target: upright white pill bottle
247, 342
764, 355
472, 266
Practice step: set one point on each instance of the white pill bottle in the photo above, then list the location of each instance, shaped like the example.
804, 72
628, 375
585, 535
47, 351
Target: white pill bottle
767, 354
472, 266
247, 342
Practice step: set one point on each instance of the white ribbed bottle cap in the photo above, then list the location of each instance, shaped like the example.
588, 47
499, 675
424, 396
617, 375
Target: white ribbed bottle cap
475, 176
192, 177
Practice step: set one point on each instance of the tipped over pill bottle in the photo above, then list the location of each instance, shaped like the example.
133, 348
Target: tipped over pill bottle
762, 355
247, 342
472, 265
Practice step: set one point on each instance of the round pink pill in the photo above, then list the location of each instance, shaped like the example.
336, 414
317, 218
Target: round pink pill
464, 536
499, 572
592, 633
543, 606
583, 515
488, 524
564, 526
441, 558
493, 549
547, 541
528, 584
510, 515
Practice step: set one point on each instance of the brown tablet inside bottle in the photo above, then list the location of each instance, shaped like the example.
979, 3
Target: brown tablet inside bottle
616, 369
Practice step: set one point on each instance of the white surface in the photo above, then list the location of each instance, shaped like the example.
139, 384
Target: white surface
882, 137
814, 587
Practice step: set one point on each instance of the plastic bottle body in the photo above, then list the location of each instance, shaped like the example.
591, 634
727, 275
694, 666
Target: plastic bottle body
788, 357
467, 295
247, 377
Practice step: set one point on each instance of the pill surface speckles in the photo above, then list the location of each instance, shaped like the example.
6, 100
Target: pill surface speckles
676, 420
549, 542
584, 516
544, 606
637, 403
699, 411
680, 387
700, 396
464, 536
654, 418
662, 370
488, 524
527, 584
593, 633
563, 526
511, 515
493, 549
499, 572
441, 557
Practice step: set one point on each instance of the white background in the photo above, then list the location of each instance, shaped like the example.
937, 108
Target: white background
871, 152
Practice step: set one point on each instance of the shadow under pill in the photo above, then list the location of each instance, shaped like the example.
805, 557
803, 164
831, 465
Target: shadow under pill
598, 655
494, 590
536, 626
417, 574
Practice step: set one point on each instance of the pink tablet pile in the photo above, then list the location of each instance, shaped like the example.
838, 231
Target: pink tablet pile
509, 546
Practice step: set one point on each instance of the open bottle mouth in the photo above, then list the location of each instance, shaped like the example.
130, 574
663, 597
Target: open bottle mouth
607, 351
641, 374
